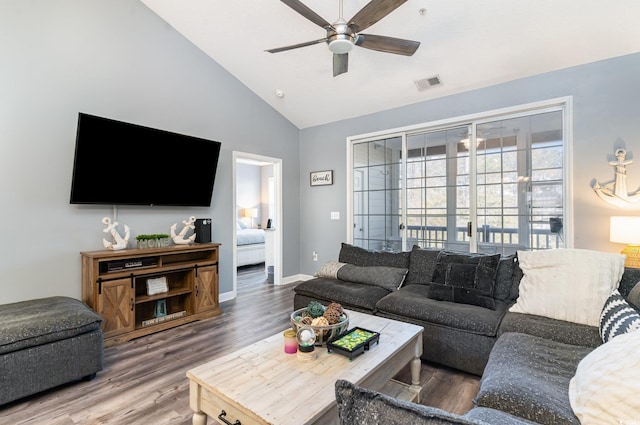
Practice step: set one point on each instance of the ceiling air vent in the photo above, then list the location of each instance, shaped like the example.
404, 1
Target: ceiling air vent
425, 83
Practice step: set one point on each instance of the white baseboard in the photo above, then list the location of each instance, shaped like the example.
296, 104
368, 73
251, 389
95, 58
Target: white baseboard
228, 296
295, 278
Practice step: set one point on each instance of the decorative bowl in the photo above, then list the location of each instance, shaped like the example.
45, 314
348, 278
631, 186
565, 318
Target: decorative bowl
323, 333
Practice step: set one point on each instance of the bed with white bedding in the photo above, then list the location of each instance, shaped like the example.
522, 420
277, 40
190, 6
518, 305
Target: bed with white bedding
250, 245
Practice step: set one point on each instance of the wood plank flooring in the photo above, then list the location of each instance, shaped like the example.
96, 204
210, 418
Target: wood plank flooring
144, 380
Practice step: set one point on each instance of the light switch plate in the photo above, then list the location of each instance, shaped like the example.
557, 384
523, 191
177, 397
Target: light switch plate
335, 215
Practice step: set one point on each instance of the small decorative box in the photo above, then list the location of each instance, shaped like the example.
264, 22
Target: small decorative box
353, 342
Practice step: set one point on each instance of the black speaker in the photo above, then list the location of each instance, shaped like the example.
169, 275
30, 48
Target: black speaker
203, 230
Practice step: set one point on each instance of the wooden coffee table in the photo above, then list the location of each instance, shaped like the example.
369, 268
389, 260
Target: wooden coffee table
260, 384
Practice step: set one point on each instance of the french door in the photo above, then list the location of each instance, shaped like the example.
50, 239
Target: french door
494, 184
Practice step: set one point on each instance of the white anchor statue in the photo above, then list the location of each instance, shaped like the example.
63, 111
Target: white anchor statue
118, 241
179, 239
616, 192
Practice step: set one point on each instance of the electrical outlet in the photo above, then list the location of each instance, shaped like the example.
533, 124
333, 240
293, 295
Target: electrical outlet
315, 256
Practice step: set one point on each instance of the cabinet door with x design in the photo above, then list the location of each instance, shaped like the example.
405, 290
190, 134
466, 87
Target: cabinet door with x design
206, 288
115, 305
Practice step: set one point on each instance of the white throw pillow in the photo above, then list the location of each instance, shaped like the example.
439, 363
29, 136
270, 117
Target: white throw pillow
606, 385
329, 269
567, 284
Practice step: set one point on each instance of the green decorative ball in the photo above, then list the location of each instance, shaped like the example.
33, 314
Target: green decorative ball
315, 309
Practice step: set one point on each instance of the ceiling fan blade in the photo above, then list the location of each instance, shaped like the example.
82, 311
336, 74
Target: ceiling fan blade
296, 46
373, 12
299, 7
382, 43
340, 63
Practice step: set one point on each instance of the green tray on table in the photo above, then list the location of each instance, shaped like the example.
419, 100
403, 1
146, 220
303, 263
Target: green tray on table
353, 342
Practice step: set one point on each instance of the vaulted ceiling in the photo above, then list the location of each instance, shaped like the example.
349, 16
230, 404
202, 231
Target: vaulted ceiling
467, 44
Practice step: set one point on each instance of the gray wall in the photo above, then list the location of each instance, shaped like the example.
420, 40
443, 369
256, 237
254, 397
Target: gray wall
116, 59
606, 98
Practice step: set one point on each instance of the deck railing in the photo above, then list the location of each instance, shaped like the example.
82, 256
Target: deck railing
436, 236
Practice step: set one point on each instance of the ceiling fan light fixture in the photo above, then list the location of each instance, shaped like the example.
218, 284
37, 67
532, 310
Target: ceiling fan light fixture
343, 34
340, 45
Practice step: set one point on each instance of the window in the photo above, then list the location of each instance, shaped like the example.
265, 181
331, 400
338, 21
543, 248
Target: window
489, 183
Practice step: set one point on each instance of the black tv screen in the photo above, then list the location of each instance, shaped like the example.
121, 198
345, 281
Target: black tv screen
119, 163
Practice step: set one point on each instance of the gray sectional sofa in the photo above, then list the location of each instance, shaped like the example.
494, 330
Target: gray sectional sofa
526, 361
457, 335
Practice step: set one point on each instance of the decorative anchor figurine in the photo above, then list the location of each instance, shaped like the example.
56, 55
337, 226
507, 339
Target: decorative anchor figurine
118, 241
179, 239
616, 192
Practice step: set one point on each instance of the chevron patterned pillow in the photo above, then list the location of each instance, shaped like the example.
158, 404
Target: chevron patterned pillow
618, 317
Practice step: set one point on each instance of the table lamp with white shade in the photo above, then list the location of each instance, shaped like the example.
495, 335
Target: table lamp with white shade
251, 213
626, 229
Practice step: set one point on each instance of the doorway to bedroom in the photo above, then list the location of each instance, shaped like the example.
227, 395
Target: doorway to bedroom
257, 234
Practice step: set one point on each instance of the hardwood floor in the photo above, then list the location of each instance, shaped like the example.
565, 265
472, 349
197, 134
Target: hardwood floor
144, 380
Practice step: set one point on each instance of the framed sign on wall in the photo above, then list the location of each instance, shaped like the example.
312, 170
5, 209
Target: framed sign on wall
321, 178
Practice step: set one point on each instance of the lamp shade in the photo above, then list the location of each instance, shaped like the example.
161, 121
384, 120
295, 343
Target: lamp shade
625, 229
250, 212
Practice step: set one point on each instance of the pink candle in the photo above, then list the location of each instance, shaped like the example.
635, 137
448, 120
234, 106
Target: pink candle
290, 341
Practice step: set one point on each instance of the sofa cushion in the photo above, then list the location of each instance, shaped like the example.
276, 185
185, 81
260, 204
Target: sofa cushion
40, 321
529, 376
361, 257
358, 405
567, 284
606, 384
618, 317
389, 278
555, 330
422, 263
484, 415
411, 301
348, 294
465, 278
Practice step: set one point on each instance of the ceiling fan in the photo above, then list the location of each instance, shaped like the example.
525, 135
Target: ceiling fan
342, 35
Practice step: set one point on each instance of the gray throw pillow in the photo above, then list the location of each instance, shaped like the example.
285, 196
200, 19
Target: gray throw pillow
504, 277
389, 278
422, 263
465, 278
362, 257
634, 296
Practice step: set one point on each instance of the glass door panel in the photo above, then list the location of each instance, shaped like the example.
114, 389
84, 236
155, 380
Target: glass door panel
519, 165
377, 194
437, 189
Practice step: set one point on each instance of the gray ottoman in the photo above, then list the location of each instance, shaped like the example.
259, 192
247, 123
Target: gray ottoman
45, 343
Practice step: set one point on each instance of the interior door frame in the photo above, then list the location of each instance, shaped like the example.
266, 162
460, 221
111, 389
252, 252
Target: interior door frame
277, 248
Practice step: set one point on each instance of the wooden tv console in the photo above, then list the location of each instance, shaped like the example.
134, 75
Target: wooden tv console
115, 284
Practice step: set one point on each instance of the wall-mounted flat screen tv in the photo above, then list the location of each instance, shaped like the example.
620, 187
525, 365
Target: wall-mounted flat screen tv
118, 163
